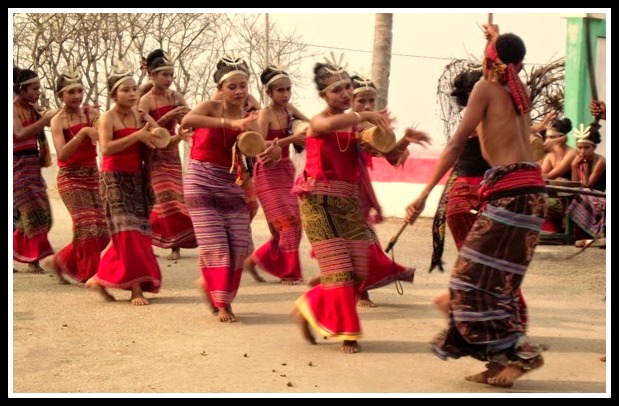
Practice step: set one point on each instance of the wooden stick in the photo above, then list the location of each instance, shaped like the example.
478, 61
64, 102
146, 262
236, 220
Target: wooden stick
394, 239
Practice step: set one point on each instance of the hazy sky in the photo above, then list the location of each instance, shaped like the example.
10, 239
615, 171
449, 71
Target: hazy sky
423, 44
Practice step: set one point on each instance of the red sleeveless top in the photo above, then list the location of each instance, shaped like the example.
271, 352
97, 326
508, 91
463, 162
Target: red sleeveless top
128, 160
333, 156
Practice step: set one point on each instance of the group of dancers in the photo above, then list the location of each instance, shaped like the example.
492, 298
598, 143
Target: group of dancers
139, 198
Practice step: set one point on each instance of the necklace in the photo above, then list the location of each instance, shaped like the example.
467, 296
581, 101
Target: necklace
337, 138
122, 117
281, 126
339, 146
166, 94
68, 116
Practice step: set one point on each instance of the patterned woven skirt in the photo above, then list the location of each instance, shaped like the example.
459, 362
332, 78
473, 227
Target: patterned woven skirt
129, 259
485, 318
338, 234
30, 240
170, 221
280, 255
80, 192
222, 226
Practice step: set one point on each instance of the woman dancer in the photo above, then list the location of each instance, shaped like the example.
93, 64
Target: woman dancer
126, 144
214, 185
75, 139
331, 213
381, 269
170, 221
30, 238
280, 255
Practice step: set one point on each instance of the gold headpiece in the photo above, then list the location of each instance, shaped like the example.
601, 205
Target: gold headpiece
167, 64
338, 68
123, 71
280, 74
72, 79
362, 84
237, 63
582, 134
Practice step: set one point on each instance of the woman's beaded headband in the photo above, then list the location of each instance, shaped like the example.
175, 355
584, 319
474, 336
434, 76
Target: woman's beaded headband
72, 79
28, 81
167, 64
280, 74
123, 71
362, 84
235, 61
582, 135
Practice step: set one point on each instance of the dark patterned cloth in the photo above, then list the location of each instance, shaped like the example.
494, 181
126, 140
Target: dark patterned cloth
438, 226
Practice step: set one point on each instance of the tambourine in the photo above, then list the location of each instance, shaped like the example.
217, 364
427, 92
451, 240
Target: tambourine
163, 137
250, 143
375, 139
299, 126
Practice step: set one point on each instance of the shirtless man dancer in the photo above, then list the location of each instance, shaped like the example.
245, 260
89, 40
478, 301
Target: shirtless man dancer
484, 321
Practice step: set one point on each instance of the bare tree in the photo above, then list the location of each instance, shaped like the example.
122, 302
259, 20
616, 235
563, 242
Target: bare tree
381, 56
94, 42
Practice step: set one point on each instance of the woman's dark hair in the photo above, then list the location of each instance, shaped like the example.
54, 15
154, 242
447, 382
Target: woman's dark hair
321, 74
594, 133
269, 73
226, 65
510, 48
19, 75
562, 125
157, 59
463, 86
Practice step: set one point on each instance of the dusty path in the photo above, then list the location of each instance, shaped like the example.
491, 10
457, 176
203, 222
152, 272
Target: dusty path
67, 340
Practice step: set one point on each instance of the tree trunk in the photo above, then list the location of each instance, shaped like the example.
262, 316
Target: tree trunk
381, 56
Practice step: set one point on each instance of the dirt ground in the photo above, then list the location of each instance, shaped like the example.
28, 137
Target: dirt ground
68, 342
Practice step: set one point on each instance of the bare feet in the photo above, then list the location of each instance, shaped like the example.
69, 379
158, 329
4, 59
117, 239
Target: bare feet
314, 281
137, 296
175, 254
49, 264
493, 368
34, 267
250, 266
225, 315
305, 329
92, 284
289, 282
350, 347
510, 373
202, 285
364, 300
441, 302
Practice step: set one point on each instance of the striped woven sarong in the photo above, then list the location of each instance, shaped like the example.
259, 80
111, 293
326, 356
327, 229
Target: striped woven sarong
222, 226
79, 189
485, 318
589, 213
170, 221
280, 255
334, 225
30, 240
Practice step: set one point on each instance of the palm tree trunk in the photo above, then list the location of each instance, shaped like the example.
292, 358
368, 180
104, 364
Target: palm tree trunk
381, 56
